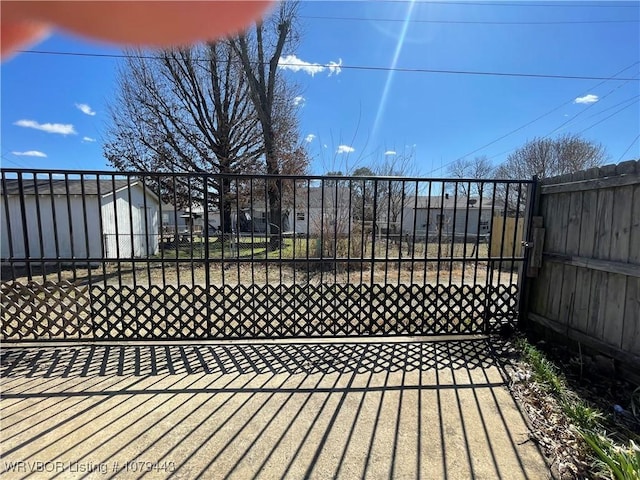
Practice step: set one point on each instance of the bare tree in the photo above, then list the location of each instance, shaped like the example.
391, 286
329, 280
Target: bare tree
259, 52
479, 167
363, 195
545, 157
394, 195
186, 110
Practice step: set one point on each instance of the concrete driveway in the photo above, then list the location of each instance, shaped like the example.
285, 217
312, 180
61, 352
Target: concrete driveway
406, 408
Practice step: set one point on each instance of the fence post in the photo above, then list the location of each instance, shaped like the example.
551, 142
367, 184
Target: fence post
207, 274
524, 286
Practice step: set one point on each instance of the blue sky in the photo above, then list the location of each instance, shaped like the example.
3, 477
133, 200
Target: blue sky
56, 105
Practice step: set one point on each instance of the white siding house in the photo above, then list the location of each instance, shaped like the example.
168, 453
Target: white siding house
315, 211
74, 220
447, 215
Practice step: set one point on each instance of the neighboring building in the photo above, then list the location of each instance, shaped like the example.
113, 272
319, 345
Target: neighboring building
187, 220
68, 219
335, 210
312, 212
322, 209
448, 215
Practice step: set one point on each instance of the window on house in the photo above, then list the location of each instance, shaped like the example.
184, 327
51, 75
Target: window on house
300, 216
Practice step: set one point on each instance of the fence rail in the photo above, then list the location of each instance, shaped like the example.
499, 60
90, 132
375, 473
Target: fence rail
104, 256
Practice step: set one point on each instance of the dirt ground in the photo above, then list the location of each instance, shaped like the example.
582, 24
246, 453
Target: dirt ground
171, 273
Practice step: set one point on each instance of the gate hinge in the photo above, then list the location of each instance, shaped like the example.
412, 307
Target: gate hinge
526, 244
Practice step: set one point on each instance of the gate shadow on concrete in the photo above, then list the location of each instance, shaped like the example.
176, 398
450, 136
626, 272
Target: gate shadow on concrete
255, 410
243, 358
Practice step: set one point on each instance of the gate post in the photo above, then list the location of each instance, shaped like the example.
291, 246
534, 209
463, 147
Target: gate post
531, 209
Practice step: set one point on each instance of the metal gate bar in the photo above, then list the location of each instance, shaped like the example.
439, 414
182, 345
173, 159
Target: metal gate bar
106, 256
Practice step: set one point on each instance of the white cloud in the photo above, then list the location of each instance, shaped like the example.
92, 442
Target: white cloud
31, 153
335, 67
84, 108
587, 99
295, 64
61, 128
309, 138
390, 152
299, 101
345, 149
88, 139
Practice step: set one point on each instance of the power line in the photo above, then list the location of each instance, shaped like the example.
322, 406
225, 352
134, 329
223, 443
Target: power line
355, 67
628, 148
17, 164
613, 77
583, 130
628, 99
466, 22
608, 117
587, 109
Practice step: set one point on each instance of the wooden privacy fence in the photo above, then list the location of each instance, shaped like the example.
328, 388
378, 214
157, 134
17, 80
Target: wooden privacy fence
511, 241
588, 284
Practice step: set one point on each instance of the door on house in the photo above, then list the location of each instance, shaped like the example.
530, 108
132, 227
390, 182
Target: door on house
142, 232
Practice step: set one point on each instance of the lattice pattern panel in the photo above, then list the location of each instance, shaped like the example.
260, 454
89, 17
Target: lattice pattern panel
503, 306
67, 311
49, 311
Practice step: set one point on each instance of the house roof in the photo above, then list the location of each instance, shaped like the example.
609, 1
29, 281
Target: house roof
450, 202
59, 187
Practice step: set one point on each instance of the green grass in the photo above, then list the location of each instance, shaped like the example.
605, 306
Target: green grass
544, 371
257, 248
583, 415
620, 462
623, 463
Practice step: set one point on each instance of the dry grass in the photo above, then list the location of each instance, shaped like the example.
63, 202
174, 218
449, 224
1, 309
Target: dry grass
395, 263
172, 273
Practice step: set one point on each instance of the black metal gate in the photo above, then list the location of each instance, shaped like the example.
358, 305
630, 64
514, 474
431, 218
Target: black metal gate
141, 256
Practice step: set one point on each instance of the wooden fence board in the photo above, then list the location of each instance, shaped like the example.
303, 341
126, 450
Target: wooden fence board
555, 291
597, 303
541, 289
631, 328
513, 236
563, 291
573, 226
604, 214
582, 297
608, 266
551, 221
621, 223
553, 225
588, 223
567, 300
592, 184
634, 233
613, 322
572, 247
